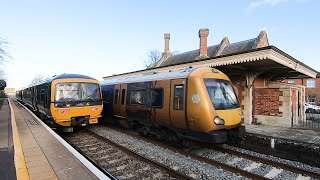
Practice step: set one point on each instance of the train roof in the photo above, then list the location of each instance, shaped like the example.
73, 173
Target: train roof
151, 77
61, 76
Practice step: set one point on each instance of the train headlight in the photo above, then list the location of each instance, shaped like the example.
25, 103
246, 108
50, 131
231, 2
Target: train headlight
242, 117
94, 109
218, 121
64, 111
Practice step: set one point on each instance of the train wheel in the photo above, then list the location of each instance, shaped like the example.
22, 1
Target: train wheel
175, 140
143, 131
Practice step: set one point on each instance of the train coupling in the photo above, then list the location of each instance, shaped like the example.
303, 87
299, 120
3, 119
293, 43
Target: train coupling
80, 121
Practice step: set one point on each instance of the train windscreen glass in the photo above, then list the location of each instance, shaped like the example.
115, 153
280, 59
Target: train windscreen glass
77, 94
222, 94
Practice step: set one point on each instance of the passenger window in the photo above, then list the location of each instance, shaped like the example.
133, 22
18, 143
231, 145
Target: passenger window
123, 93
178, 97
138, 97
116, 96
156, 97
42, 96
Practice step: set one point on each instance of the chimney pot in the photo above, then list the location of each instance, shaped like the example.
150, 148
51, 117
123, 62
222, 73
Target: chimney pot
166, 39
203, 35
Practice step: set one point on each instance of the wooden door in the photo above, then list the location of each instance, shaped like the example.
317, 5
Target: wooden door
177, 104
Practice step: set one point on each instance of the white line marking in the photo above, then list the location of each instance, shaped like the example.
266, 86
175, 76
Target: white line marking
252, 166
234, 160
82, 159
300, 177
273, 173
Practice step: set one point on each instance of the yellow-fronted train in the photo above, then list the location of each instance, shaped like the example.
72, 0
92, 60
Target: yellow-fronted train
65, 101
198, 104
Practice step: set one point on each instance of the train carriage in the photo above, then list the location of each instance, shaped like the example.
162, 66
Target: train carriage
65, 101
198, 104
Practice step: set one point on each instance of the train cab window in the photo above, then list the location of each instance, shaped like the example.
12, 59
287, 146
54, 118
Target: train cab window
116, 95
138, 97
178, 97
123, 93
156, 97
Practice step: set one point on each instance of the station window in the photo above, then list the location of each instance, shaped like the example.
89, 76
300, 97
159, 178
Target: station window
156, 97
178, 97
311, 83
138, 97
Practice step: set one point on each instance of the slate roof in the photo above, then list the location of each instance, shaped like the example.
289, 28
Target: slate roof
238, 47
191, 56
318, 75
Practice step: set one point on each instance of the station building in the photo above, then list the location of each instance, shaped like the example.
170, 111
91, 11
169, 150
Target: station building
256, 70
312, 87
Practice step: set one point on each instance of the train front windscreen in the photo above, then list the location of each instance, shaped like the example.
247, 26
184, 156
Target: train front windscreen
77, 94
221, 94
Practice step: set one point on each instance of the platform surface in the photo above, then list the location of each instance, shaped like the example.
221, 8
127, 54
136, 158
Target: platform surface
45, 156
301, 135
7, 168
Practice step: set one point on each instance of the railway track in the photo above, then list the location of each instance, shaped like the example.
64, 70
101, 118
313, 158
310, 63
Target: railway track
242, 153
236, 162
118, 160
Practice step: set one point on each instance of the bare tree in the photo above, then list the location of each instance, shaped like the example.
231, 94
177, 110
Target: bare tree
3, 52
2, 74
153, 57
3, 84
37, 79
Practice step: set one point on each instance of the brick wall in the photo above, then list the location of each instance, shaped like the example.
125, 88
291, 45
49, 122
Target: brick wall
309, 90
294, 100
239, 82
259, 82
266, 101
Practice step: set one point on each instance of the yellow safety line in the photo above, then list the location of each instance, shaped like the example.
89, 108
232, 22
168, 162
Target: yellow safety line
19, 161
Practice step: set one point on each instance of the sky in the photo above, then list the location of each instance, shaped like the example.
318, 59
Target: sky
99, 38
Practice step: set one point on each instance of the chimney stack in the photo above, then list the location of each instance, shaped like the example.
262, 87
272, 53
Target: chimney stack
203, 35
166, 52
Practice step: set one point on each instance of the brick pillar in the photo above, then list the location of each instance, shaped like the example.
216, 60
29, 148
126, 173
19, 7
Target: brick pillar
166, 52
203, 35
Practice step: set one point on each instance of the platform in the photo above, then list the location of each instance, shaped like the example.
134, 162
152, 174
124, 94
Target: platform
294, 134
45, 157
7, 168
290, 143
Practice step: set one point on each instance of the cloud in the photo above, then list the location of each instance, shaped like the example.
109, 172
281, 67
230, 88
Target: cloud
259, 3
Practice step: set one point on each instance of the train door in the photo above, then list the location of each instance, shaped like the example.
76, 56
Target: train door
177, 103
116, 97
122, 102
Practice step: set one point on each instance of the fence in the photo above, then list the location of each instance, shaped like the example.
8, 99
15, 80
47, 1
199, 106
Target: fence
310, 119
